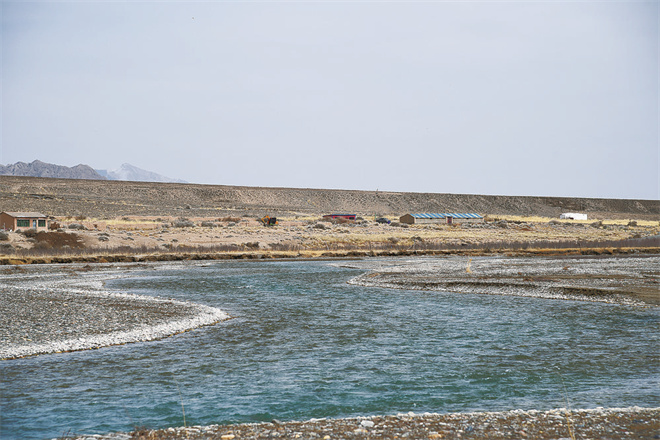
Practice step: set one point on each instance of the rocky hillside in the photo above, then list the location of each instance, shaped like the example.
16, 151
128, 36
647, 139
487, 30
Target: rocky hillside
109, 199
43, 169
81, 171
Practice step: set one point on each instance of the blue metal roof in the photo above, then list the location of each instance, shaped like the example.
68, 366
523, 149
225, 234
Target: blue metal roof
445, 215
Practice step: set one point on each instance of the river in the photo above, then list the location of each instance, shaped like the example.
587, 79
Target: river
303, 343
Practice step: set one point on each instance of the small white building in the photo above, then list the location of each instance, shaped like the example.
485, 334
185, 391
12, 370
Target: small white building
573, 216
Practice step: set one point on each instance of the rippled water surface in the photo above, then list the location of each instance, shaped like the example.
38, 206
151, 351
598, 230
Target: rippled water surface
305, 344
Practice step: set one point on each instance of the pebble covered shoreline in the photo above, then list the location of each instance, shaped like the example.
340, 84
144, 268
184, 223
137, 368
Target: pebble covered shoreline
55, 310
599, 423
627, 281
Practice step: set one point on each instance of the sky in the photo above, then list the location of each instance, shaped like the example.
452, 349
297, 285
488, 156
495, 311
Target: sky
540, 98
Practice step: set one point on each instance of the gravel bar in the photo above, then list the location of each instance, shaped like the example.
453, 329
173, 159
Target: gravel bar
56, 309
628, 281
599, 423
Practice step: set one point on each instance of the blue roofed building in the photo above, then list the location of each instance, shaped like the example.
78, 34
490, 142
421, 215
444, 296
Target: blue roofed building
446, 217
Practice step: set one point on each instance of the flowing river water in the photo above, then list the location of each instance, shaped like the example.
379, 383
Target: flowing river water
303, 343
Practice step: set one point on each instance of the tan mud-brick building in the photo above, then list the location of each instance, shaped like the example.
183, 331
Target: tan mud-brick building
11, 221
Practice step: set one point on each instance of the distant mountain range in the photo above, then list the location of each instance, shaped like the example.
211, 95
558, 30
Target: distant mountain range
43, 169
127, 171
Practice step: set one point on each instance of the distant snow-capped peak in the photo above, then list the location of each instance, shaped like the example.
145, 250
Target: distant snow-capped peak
132, 173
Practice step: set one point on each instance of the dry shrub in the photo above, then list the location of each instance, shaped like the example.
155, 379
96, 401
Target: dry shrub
230, 219
183, 222
58, 240
6, 248
30, 233
342, 221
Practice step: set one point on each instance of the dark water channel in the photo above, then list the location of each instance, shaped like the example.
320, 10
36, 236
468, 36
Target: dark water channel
305, 344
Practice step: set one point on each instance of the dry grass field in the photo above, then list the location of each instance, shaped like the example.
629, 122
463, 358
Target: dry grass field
314, 237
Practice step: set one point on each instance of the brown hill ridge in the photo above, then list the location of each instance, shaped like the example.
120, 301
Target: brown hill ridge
108, 199
43, 169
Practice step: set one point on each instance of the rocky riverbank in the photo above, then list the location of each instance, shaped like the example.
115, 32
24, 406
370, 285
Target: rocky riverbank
632, 280
600, 423
53, 310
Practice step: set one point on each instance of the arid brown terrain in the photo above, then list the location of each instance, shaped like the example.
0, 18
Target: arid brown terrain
109, 199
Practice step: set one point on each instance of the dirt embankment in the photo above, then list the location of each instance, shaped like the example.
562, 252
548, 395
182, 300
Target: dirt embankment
108, 199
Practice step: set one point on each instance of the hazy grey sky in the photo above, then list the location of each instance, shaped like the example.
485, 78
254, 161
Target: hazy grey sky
555, 98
